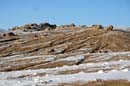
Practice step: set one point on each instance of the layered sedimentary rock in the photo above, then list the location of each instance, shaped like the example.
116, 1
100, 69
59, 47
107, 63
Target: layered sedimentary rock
47, 51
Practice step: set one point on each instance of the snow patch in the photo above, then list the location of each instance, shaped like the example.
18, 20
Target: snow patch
126, 70
50, 59
74, 58
100, 71
113, 70
121, 60
34, 74
86, 77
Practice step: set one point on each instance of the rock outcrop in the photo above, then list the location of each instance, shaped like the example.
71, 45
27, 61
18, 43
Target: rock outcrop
110, 28
97, 26
35, 27
32, 56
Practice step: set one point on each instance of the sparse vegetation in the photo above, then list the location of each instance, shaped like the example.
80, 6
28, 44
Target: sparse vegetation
99, 83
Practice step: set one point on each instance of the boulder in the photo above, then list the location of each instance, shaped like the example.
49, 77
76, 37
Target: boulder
9, 34
97, 26
72, 25
110, 28
44, 26
15, 28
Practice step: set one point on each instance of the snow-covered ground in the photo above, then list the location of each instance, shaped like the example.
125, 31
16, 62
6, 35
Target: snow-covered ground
56, 79
101, 70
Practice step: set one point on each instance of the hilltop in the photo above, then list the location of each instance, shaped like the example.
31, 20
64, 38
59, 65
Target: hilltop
48, 54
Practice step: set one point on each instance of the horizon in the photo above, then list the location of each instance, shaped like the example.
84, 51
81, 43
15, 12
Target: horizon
61, 12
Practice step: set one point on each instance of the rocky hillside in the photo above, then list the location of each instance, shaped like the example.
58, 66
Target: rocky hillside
50, 55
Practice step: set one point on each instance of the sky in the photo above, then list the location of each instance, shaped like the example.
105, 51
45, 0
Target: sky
88, 12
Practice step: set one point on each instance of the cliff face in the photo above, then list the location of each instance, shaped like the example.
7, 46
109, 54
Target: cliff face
46, 46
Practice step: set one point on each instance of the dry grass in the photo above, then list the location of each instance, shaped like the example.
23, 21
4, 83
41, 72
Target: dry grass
99, 83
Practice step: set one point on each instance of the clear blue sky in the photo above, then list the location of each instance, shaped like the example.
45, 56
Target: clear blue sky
105, 12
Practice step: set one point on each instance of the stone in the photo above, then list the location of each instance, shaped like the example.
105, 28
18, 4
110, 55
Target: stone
35, 27
72, 25
9, 34
97, 26
110, 28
